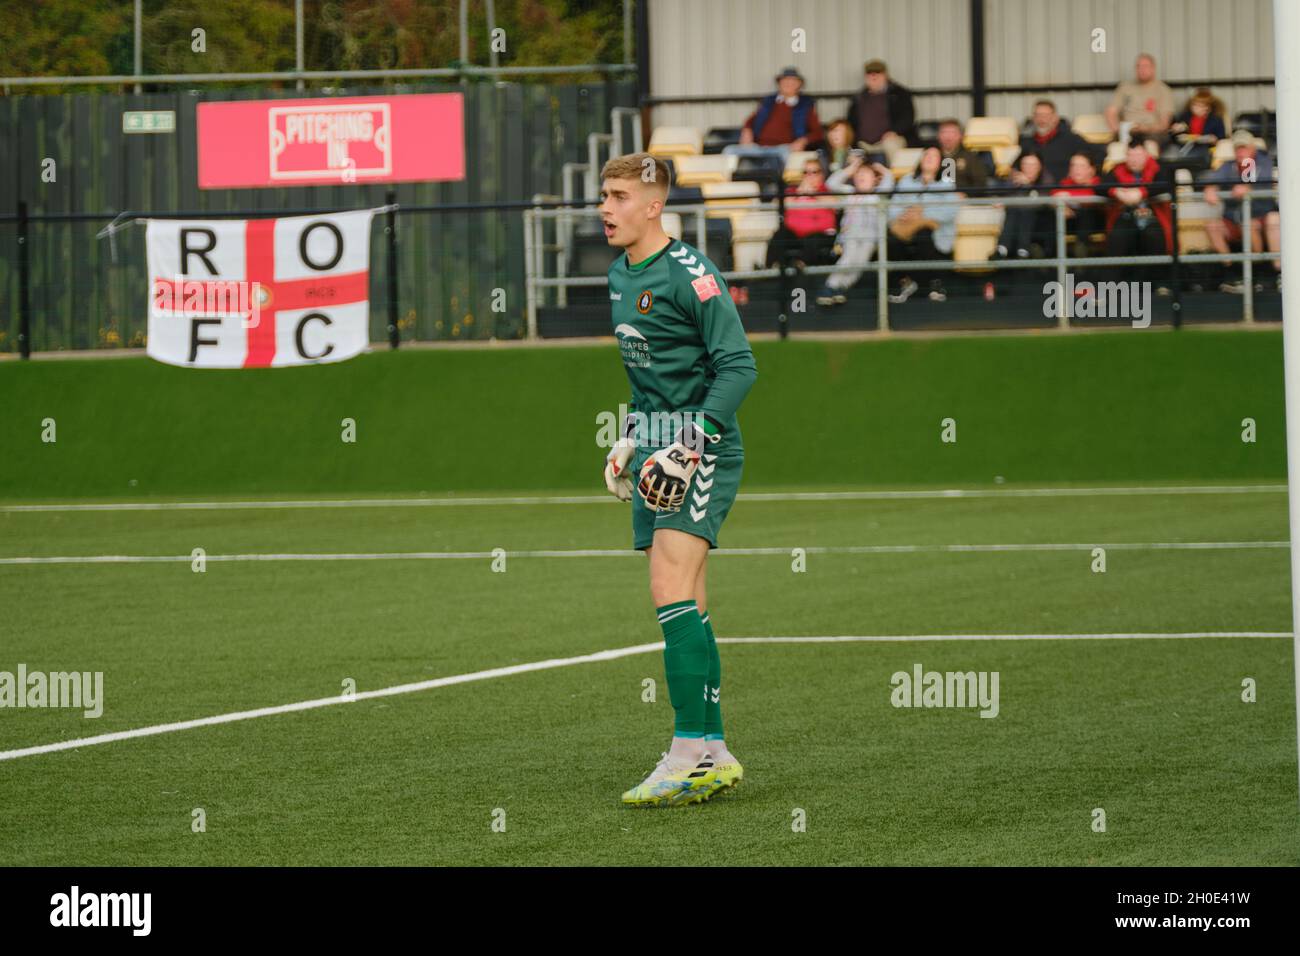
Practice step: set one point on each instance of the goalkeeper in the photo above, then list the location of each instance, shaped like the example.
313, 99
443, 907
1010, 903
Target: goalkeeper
680, 457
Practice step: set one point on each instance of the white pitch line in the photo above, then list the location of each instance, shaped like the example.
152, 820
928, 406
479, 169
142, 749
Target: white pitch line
916, 638
1077, 492
628, 553
608, 655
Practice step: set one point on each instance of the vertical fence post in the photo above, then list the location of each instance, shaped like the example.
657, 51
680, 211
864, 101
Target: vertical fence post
24, 303
1177, 304
394, 334
1247, 267
1063, 308
882, 265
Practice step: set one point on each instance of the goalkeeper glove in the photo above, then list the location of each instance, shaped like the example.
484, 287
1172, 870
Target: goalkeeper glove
666, 475
616, 478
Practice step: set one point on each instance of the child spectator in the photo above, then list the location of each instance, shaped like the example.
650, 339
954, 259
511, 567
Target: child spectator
860, 225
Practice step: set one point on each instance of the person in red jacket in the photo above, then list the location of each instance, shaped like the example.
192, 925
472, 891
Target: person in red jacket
808, 233
1138, 223
1081, 220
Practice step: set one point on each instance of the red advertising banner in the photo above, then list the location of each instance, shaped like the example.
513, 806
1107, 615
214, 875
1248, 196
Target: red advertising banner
328, 141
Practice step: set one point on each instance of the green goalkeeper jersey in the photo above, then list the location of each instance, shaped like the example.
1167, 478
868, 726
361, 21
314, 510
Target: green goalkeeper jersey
682, 344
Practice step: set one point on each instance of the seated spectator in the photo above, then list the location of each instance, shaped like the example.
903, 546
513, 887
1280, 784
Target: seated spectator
882, 112
968, 167
1203, 119
1027, 225
784, 121
859, 228
1081, 220
807, 236
839, 143
922, 223
1137, 224
1251, 169
1144, 108
1053, 140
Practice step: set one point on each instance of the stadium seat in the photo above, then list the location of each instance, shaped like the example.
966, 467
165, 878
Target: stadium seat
723, 199
672, 223
749, 237
1193, 214
980, 221
720, 137
927, 133
684, 194
987, 132
1003, 158
697, 170
1092, 128
759, 169
675, 141
905, 161
974, 250
978, 228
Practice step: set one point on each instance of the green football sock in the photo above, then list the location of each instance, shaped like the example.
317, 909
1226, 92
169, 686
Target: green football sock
712, 706
686, 664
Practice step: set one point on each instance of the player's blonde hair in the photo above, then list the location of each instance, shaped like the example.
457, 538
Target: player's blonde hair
650, 170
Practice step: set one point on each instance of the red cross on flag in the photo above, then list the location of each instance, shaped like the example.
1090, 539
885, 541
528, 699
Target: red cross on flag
258, 292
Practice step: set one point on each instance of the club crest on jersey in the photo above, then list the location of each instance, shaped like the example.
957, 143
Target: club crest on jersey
644, 301
706, 287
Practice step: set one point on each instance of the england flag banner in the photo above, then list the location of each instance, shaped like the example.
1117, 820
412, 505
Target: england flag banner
259, 292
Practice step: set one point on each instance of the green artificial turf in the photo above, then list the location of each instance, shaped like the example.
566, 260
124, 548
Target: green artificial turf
1154, 732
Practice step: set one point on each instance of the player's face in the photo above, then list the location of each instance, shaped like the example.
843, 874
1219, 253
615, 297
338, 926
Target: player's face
627, 207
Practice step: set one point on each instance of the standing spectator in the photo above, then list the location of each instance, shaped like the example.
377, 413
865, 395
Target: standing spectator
1251, 169
839, 143
1026, 225
1147, 106
1203, 116
1137, 224
968, 167
807, 235
1081, 220
860, 226
784, 121
1053, 140
882, 112
926, 228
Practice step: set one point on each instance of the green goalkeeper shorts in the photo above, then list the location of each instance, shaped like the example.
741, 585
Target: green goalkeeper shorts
708, 499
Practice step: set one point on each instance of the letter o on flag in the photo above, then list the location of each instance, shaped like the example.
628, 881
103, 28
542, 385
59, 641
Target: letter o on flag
338, 246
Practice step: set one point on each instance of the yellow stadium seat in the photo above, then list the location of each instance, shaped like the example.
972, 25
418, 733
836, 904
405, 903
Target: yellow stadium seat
974, 250
905, 161
729, 200
1093, 128
986, 132
1192, 217
980, 221
698, 170
674, 141
750, 232
1004, 157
